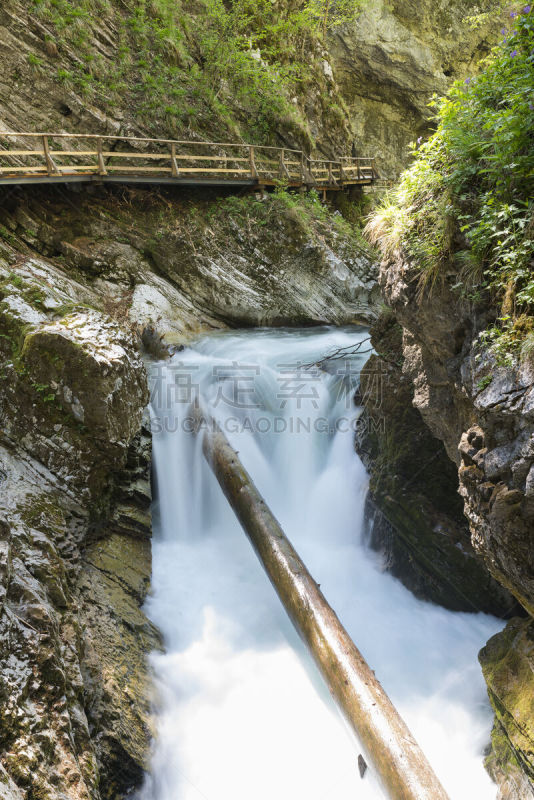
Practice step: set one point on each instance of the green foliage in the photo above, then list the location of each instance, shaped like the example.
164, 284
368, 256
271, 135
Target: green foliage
485, 13
203, 64
44, 390
473, 181
329, 14
507, 337
34, 61
484, 382
293, 217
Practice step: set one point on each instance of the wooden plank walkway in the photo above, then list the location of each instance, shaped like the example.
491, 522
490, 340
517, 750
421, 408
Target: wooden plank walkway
80, 158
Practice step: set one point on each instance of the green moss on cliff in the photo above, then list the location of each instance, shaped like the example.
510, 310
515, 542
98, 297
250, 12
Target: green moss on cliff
213, 67
508, 662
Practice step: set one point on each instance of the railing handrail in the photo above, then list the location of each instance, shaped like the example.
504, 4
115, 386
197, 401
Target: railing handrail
142, 139
303, 170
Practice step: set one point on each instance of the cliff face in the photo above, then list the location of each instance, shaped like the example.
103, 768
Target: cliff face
189, 261
482, 413
486, 426
415, 516
393, 60
150, 69
69, 456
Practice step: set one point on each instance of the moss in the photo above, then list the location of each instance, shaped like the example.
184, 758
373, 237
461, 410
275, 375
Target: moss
34, 296
7, 235
42, 511
508, 665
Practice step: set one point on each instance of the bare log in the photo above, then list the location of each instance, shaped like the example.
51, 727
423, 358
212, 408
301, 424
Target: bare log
400, 763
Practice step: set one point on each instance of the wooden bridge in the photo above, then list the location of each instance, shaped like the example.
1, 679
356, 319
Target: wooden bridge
79, 158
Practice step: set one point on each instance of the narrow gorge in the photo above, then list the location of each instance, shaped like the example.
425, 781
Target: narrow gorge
366, 349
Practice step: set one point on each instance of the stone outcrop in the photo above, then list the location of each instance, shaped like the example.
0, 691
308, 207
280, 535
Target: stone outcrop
191, 262
481, 412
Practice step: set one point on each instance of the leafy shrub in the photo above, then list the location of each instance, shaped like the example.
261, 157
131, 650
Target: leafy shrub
468, 198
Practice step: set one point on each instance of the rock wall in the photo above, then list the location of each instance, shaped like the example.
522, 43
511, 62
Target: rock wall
75, 697
191, 260
394, 59
365, 91
482, 413
415, 516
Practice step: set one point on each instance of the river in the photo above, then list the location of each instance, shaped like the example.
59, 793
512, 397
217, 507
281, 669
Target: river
241, 712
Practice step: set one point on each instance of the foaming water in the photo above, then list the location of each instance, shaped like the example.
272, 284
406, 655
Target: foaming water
242, 712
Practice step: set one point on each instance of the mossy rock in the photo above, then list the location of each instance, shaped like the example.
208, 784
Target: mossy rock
85, 362
508, 665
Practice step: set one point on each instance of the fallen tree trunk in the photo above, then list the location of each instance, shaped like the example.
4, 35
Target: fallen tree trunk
388, 744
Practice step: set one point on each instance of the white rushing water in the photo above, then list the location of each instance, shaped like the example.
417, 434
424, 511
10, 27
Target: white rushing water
242, 711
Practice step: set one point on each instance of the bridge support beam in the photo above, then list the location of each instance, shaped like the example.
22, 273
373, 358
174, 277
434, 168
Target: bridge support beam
389, 745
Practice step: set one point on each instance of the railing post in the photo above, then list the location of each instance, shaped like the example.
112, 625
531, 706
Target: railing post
374, 174
341, 173
307, 174
101, 166
330, 174
252, 162
283, 171
359, 170
174, 164
50, 166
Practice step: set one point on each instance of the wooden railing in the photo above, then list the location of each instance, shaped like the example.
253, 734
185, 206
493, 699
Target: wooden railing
53, 157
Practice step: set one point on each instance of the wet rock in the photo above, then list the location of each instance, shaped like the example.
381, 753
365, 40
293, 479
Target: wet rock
97, 374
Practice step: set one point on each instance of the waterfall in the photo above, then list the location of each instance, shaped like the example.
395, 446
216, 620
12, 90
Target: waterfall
241, 712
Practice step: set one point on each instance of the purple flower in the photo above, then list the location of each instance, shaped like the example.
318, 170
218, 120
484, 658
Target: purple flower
420, 139
503, 31
531, 106
526, 10
513, 53
513, 14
